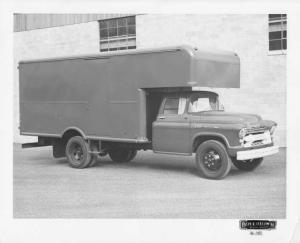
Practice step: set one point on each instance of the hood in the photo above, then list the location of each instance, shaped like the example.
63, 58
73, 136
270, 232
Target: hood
245, 120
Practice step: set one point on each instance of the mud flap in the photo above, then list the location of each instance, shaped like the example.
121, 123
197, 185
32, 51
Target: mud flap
59, 147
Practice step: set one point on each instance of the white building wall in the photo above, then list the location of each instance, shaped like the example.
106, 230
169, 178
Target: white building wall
50, 42
263, 76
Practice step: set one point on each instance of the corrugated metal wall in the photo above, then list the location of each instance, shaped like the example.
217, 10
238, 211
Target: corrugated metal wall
23, 22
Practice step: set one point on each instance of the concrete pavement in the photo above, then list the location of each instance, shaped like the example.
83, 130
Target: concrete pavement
151, 186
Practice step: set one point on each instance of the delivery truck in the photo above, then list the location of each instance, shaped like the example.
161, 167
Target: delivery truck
158, 99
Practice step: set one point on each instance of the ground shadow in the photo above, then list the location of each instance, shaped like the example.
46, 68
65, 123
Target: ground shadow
156, 165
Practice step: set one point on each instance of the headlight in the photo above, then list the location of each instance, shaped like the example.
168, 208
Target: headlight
272, 129
242, 133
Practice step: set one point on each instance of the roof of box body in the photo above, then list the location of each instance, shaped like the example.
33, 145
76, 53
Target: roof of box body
210, 55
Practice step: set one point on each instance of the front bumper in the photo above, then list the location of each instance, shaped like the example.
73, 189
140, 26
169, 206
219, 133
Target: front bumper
256, 153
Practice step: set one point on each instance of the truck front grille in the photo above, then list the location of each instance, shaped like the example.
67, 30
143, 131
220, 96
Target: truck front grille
257, 138
255, 130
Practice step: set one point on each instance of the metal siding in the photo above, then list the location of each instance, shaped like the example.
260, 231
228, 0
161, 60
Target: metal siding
24, 22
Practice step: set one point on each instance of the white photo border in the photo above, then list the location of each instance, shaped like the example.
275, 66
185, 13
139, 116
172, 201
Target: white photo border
145, 230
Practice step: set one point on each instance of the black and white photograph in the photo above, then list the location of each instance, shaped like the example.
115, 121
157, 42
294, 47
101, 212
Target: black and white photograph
136, 125
167, 116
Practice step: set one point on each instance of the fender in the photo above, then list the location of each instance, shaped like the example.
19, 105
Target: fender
213, 134
74, 128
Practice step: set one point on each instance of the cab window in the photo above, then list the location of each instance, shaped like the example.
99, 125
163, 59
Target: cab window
174, 106
203, 102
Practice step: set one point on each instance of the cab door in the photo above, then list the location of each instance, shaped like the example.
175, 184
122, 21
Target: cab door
171, 130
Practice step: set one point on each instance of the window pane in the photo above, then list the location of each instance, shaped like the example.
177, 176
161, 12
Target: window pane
104, 44
113, 44
113, 49
275, 26
284, 25
112, 23
171, 106
123, 42
122, 22
131, 30
103, 24
122, 31
284, 44
103, 50
131, 20
131, 47
118, 43
112, 32
170, 112
275, 35
103, 34
284, 34
123, 48
275, 45
172, 103
274, 16
181, 106
131, 42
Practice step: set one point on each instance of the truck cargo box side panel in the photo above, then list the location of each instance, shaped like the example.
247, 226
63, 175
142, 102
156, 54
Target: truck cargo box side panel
124, 119
98, 77
162, 69
60, 94
217, 74
51, 118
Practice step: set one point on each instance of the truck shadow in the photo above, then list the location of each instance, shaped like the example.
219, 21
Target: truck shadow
180, 167
147, 165
154, 165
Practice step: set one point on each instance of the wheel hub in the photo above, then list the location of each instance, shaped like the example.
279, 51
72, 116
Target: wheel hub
77, 153
212, 160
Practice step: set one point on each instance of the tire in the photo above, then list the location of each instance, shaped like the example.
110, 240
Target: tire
77, 152
122, 155
212, 160
133, 154
94, 160
247, 165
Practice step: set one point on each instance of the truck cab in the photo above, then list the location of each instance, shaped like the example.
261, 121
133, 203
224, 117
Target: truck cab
195, 122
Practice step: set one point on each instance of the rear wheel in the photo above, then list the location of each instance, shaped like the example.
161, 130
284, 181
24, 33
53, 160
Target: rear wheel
212, 160
77, 152
247, 165
122, 155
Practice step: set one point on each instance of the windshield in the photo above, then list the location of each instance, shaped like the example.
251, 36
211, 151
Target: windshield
204, 101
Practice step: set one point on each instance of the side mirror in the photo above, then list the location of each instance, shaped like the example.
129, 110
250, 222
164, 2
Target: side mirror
221, 107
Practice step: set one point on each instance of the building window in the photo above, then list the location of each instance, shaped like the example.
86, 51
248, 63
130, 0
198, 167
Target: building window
117, 34
277, 32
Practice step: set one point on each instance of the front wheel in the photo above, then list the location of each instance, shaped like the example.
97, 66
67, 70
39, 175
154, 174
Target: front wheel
212, 160
122, 155
247, 165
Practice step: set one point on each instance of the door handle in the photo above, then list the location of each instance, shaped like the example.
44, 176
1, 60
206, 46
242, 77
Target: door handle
161, 117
